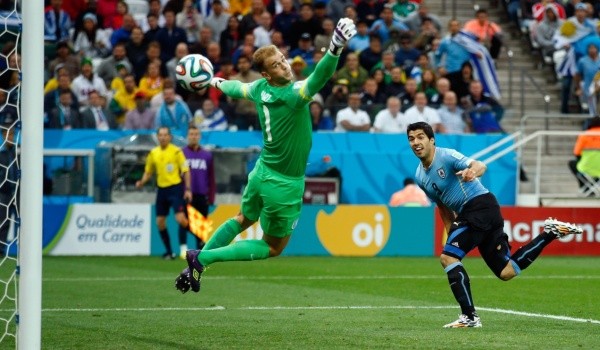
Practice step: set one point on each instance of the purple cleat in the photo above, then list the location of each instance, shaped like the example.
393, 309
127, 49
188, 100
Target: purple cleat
194, 270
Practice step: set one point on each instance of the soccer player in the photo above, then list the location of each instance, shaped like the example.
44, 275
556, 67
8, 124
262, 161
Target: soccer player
276, 184
472, 218
202, 179
168, 162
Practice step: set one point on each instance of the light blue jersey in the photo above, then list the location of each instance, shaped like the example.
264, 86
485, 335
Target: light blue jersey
441, 183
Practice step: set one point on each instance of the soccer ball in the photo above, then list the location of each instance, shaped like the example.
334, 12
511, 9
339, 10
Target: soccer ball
194, 72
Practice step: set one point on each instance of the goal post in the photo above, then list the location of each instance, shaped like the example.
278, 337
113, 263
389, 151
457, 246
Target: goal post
29, 295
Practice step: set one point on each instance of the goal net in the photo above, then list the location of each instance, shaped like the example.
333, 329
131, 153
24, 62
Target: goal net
10, 125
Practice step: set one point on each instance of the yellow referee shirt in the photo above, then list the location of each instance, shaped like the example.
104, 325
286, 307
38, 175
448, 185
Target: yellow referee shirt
168, 164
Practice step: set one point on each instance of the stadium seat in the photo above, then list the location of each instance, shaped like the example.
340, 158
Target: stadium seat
589, 171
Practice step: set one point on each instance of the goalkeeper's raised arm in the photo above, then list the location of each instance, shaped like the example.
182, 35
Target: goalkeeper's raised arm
324, 70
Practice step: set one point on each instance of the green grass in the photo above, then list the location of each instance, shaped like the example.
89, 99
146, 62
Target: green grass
313, 303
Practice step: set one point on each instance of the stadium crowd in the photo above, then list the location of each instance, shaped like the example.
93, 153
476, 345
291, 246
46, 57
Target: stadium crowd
110, 63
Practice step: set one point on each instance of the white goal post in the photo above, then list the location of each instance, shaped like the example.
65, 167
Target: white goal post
29, 296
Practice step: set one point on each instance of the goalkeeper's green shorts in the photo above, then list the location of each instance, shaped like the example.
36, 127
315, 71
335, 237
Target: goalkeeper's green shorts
274, 198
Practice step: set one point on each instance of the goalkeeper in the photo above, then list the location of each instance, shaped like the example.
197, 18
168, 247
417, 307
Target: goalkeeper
276, 184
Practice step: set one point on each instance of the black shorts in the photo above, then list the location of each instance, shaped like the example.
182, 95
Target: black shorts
480, 224
169, 197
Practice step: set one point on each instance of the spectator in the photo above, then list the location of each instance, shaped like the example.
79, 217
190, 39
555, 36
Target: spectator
210, 117
135, 47
323, 39
152, 82
245, 116
451, 115
488, 32
379, 77
263, 32
96, 115
64, 116
426, 35
298, 65
216, 95
118, 82
396, 85
320, 121
195, 99
92, 42
320, 11
8, 113
352, 118
338, 98
462, 85
360, 41
450, 56
217, 19
122, 34
173, 113
283, 21
368, 10
353, 73
169, 36
370, 56
427, 84
304, 48
544, 34
252, 19
65, 58
386, 64
415, 21
587, 68
189, 20
91, 7
442, 86
57, 23
421, 65
152, 28
231, 38
116, 21
408, 97
420, 112
372, 100
335, 9
123, 100
410, 196
407, 55
154, 19
306, 23
390, 119
87, 81
51, 98
107, 69
386, 23
482, 112
141, 117
585, 141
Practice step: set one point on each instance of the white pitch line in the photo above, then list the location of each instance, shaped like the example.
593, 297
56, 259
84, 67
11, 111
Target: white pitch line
320, 278
340, 307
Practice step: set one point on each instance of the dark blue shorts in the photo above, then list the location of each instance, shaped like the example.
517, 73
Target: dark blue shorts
169, 197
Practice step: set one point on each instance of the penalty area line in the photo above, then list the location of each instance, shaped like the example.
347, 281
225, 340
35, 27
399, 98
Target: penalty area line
325, 307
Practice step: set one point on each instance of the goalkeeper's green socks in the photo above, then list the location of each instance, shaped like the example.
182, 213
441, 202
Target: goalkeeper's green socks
240, 251
224, 234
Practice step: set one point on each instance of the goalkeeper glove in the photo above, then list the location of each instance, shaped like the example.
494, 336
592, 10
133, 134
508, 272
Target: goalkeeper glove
216, 82
344, 30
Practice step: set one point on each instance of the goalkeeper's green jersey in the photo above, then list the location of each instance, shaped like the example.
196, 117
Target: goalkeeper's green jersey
284, 116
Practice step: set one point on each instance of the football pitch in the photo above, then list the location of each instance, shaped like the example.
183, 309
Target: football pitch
315, 303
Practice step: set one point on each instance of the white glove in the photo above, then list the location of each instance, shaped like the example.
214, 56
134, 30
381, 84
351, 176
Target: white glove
216, 82
344, 30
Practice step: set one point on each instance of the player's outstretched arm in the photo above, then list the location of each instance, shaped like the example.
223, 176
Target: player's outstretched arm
231, 88
324, 70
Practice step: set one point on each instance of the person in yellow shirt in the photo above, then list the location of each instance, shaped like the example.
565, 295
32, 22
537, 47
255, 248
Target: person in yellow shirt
123, 100
167, 161
152, 83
